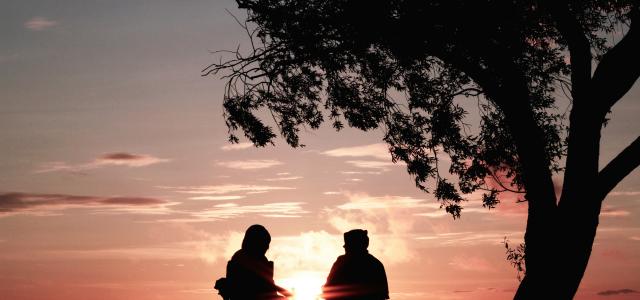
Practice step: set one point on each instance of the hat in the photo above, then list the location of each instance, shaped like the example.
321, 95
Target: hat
356, 238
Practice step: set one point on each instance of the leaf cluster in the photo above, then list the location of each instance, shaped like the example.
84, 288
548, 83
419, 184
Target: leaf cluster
405, 67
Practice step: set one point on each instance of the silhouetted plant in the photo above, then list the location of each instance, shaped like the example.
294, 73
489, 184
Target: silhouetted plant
516, 257
409, 67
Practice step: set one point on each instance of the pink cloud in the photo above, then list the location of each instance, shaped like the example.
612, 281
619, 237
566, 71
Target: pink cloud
239, 146
128, 159
378, 150
107, 159
43, 204
269, 210
225, 189
609, 211
617, 292
470, 263
217, 198
371, 164
250, 164
625, 193
39, 24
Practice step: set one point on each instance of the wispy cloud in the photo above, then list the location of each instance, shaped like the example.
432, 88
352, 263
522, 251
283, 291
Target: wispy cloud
39, 23
610, 211
105, 160
415, 207
371, 164
331, 193
47, 204
233, 210
284, 178
239, 146
360, 173
217, 198
366, 202
467, 238
440, 213
471, 263
625, 193
617, 292
128, 159
225, 189
250, 164
378, 150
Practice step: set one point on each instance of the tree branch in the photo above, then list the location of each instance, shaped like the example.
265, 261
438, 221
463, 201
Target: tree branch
619, 68
579, 47
619, 168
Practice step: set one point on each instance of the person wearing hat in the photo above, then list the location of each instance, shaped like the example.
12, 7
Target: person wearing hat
356, 275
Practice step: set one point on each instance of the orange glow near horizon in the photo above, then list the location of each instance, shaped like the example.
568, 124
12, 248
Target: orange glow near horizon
304, 285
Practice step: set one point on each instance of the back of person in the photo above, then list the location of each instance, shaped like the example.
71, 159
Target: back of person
250, 277
249, 272
357, 275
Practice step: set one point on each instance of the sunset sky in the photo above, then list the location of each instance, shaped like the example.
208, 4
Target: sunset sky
117, 181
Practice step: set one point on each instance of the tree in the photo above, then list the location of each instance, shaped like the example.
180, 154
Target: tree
406, 66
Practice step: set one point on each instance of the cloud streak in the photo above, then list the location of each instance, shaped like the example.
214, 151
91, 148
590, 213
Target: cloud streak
45, 204
39, 24
371, 164
378, 150
609, 211
457, 239
108, 159
239, 146
250, 164
471, 263
226, 189
269, 210
283, 178
128, 159
617, 292
217, 198
624, 193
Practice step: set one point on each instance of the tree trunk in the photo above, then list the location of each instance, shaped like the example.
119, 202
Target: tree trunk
565, 251
561, 245
577, 242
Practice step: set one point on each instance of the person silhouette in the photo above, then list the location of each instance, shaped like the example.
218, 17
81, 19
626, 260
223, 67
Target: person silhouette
356, 275
249, 272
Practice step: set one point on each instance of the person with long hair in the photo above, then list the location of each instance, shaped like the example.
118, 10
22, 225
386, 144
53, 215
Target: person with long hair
249, 272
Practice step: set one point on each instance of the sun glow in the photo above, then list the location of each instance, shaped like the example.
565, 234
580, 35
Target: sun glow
304, 285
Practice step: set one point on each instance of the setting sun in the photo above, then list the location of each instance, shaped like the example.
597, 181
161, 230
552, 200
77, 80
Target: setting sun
304, 285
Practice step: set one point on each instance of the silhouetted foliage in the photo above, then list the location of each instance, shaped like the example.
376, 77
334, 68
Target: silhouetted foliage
516, 257
409, 67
